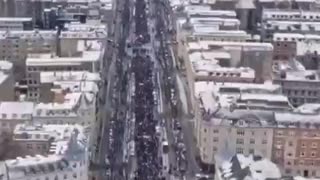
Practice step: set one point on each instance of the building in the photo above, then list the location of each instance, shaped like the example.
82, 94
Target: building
88, 57
214, 66
242, 167
257, 56
296, 142
13, 113
51, 81
240, 114
7, 82
300, 86
10, 23
304, 47
66, 154
288, 21
15, 46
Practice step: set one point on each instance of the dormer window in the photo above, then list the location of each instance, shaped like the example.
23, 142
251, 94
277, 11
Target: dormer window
4, 116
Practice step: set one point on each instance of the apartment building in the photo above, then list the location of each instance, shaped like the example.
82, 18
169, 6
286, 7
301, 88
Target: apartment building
306, 46
66, 157
87, 58
13, 113
13, 23
300, 86
296, 142
288, 21
257, 56
236, 116
15, 45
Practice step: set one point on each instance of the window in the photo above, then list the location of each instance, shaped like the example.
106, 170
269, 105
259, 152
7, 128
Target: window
65, 176
215, 131
289, 154
302, 154
288, 171
251, 151
279, 133
37, 136
29, 146
240, 132
313, 154
303, 145
204, 140
214, 149
264, 141
205, 130
252, 141
240, 141
314, 145
215, 139
290, 143
239, 150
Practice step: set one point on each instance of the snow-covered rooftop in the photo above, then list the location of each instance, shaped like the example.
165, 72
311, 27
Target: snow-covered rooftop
16, 110
206, 63
69, 144
249, 168
46, 59
68, 108
205, 45
53, 76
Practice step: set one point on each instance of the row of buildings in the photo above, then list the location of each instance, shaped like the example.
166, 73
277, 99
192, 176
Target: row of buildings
253, 77
50, 83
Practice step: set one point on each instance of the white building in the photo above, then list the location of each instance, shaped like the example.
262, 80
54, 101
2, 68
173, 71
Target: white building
67, 156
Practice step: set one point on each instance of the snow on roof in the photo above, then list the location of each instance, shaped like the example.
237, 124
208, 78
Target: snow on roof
281, 25
69, 144
5, 65
46, 59
305, 76
16, 110
69, 107
205, 63
309, 108
263, 1
253, 167
204, 45
294, 119
50, 76
264, 97
224, 94
14, 19
203, 10
29, 34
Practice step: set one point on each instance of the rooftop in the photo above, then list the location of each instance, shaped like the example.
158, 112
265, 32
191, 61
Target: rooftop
68, 108
15, 19
69, 145
16, 110
205, 45
47, 59
50, 77
206, 63
249, 168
